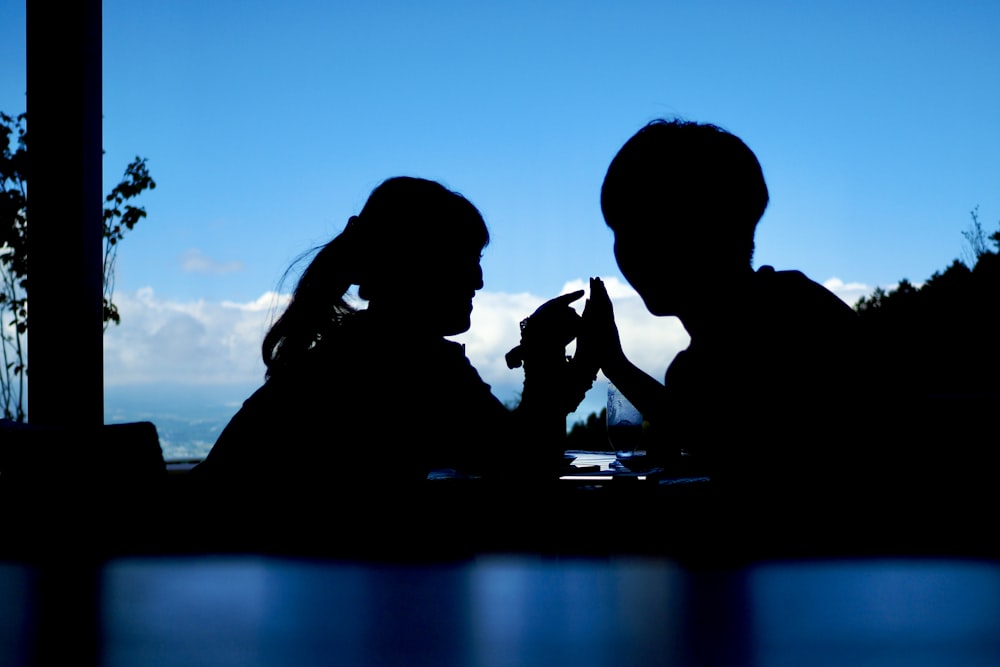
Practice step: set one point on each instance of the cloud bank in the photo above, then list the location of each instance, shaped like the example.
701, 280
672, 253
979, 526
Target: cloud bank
195, 343
187, 366
161, 341
204, 342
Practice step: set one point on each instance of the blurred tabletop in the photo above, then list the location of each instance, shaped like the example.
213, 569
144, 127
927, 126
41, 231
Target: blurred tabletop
598, 566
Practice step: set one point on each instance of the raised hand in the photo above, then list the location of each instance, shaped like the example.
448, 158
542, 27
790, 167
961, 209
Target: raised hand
554, 322
599, 337
551, 327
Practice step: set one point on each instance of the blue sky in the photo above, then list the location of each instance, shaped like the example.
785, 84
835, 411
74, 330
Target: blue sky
266, 124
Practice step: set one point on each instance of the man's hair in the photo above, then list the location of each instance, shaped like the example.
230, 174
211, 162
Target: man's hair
697, 171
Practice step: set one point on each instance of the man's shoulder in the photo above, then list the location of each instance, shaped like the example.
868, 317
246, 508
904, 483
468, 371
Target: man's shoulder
804, 315
787, 279
795, 292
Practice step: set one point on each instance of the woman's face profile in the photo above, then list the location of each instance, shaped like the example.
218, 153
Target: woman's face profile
455, 281
432, 286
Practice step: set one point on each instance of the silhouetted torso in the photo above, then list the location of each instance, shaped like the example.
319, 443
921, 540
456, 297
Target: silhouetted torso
372, 405
762, 397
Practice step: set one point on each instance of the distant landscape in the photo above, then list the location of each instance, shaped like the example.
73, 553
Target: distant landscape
189, 418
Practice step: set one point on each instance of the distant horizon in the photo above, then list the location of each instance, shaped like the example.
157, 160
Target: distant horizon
189, 420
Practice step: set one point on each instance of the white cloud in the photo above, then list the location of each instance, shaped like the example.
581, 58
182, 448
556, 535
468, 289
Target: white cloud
198, 342
203, 342
195, 261
848, 292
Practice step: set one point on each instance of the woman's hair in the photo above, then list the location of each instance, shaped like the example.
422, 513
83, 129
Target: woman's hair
405, 221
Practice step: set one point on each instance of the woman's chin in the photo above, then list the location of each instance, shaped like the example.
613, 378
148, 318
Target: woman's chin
457, 328
459, 325
459, 320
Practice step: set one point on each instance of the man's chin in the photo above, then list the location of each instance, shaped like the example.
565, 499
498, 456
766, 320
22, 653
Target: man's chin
659, 309
652, 306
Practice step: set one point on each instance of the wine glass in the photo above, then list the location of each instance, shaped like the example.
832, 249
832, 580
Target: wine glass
624, 422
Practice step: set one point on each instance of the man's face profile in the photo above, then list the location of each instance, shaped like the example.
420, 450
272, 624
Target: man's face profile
662, 250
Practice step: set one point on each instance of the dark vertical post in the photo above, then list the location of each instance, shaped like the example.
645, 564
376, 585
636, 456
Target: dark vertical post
65, 310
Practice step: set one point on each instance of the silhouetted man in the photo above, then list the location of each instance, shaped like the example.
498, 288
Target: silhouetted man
762, 396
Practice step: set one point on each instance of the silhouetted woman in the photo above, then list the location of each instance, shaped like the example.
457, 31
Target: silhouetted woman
378, 394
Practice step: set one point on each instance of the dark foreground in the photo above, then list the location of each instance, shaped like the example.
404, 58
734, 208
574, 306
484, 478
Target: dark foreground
122, 562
